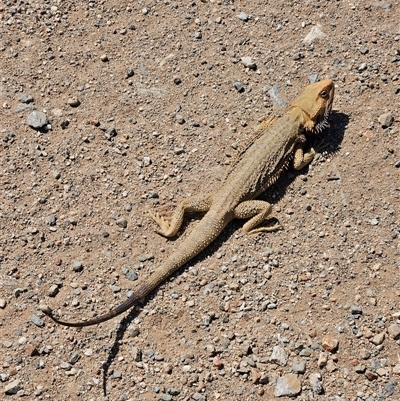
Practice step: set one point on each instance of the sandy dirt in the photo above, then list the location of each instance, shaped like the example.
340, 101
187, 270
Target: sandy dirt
146, 103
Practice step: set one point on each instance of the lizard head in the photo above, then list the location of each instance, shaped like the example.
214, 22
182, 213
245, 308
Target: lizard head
315, 103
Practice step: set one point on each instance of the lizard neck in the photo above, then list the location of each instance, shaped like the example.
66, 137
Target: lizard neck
302, 117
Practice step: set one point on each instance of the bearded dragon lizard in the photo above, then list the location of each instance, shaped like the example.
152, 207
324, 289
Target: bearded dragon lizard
276, 143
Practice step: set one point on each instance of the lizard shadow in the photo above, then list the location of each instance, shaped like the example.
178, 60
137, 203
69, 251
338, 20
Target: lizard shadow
116, 346
332, 135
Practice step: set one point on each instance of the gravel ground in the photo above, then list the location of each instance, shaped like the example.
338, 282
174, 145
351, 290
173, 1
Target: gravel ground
110, 109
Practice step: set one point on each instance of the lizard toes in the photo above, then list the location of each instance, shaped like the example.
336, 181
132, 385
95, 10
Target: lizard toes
163, 224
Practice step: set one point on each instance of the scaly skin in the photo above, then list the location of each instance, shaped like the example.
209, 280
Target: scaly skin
276, 143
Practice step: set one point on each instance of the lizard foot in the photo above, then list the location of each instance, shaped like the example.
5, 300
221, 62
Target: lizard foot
162, 223
266, 228
165, 228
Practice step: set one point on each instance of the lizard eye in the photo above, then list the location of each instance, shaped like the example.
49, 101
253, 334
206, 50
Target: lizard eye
324, 94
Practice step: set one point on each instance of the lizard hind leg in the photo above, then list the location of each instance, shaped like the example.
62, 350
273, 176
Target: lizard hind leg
257, 211
197, 203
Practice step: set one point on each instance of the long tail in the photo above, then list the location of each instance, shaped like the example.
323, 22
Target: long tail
141, 292
203, 235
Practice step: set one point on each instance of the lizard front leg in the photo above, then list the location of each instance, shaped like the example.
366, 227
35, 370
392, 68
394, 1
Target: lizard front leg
301, 158
197, 203
257, 211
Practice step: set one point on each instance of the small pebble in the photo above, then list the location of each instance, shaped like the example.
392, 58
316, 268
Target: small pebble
146, 162
198, 397
22, 340
255, 375
394, 331
276, 99
115, 288
117, 374
210, 348
355, 310
306, 352
3, 377
316, 383
31, 350
131, 275
37, 119
381, 372
73, 102
331, 366
53, 290
77, 266
378, 339
217, 362
12, 388
287, 385
123, 223
26, 99
364, 353
168, 368
74, 358
186, 368
278, 356
37, 321
315, 34
298, 366
386, 120
322, 360
51, 220
180, 119
243, 16
390, 388
264, 379
110, 132
18, 291
88, 352
248, 62
239, 87
371, 375
136, 354
359, 368
329, 343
